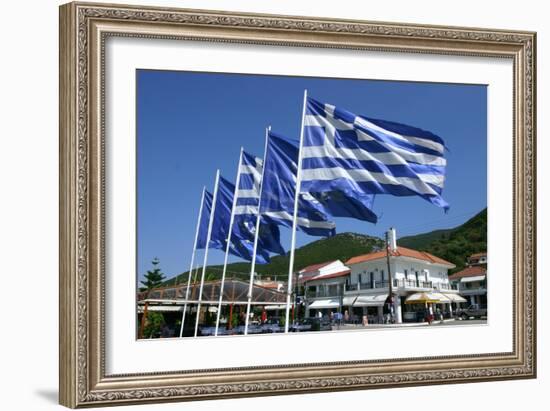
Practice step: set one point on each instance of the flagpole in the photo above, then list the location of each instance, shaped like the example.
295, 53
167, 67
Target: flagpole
231, 220
192, 262
295, 217
256, 236
208, 235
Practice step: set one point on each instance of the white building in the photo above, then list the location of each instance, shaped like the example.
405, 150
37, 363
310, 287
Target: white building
472, 281
324, 286
411, 271
478, 259
360, 287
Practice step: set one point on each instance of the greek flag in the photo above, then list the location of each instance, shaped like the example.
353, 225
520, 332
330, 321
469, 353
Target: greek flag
279, 188
358, 157
204, 219
220, 226
246, 208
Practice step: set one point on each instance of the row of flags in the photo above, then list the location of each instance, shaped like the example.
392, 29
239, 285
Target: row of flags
340, 163
346, 160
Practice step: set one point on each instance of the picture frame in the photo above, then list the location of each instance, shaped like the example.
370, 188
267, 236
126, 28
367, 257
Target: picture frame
84, 30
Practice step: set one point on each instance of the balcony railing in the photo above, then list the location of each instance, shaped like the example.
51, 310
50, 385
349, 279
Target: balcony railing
371, 285
400, 283
482, 288
445, 286
412, 284
322, 293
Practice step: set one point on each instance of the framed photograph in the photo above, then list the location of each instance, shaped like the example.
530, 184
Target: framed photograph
263, 205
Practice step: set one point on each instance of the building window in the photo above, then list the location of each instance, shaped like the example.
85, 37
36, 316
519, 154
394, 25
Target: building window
406, 274
382, 275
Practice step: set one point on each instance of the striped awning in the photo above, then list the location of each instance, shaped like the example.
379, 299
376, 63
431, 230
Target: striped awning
348, 301
370, 300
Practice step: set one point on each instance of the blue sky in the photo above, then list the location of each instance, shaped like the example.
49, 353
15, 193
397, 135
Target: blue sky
190, 124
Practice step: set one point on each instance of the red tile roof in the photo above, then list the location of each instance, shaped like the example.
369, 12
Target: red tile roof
477, 255
400, 252
324, 277
315, 267
268, 284
469, 272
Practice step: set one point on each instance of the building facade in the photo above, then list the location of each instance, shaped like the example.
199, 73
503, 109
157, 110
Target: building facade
471, 282
359, 288
322, 287
478, 259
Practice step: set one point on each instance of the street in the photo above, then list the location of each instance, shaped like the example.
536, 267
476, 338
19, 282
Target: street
408, 325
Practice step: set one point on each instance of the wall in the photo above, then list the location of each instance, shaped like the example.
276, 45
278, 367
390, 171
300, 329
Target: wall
366, 268
28, 209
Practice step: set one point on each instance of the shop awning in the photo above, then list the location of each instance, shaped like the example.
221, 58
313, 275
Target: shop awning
370, 300
348, 301
443, 298
455, 298
472, 279
422, 298
162, 308
276, 307
324, 304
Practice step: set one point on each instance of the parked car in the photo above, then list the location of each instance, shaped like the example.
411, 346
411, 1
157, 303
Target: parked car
206, 331
272, 325
252, 329
210, 331
302, 325
474, 311
320, 324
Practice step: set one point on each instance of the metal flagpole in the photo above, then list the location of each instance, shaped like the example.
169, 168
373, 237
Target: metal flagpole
192, 262
237, 181
389, 299
295, 218
390, 289
208, 235
256, 236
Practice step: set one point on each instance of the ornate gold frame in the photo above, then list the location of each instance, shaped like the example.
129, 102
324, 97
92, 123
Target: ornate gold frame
83, 30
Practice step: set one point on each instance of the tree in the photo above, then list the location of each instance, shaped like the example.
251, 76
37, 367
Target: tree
153, 278
153, 325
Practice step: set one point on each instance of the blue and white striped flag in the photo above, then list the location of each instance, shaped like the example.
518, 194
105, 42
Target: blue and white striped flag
246, 209
204, 219
240, 247
279, 188
360, 157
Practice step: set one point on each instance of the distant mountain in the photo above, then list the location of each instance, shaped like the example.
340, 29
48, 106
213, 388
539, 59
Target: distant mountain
455, 244
340, 247
421, 241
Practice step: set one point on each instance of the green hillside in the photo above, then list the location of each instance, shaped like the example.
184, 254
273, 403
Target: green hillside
421, 241
340, 247
455, 244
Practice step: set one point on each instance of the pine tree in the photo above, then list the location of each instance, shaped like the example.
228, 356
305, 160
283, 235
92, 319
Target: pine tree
153, 278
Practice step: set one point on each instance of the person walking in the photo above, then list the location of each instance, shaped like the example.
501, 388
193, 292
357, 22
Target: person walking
439, 314
428, 316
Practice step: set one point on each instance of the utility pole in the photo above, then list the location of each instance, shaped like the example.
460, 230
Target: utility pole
388, 262
388, 304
